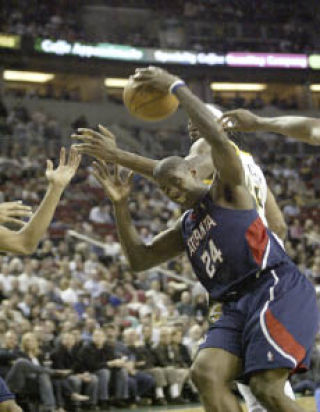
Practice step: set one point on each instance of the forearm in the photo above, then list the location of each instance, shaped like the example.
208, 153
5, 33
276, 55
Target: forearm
301, 128
38, 224
139, 164
223, 155
132, 245
201, 116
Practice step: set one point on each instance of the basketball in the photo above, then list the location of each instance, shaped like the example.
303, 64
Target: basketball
147, 103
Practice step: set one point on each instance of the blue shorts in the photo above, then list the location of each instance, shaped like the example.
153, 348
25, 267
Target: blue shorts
272, 326
5, 394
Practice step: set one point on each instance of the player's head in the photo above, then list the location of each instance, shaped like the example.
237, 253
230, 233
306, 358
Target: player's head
194, 132
179, 181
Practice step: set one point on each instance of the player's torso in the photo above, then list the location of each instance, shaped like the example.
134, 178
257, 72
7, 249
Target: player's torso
227, 246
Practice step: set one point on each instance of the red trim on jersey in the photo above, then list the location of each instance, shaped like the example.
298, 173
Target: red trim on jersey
284, 339
257, 238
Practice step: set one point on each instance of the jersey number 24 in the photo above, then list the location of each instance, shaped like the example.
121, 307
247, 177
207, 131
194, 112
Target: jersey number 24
210, 257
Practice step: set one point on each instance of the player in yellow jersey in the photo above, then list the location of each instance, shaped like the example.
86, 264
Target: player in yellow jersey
303, 129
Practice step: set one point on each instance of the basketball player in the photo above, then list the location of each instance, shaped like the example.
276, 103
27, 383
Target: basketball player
304, 129
103, 146
25, 241
236, 258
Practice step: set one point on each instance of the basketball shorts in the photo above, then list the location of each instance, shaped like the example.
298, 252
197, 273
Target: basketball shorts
272, 326
5, 394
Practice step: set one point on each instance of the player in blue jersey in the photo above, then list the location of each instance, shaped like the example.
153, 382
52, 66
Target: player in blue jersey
26, 240
270, 315
102, 145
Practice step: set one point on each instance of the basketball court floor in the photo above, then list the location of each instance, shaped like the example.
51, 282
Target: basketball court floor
306, 402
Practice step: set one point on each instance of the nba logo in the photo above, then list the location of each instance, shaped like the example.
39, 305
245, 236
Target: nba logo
270, 356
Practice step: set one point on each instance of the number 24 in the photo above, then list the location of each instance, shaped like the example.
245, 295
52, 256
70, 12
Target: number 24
210, 257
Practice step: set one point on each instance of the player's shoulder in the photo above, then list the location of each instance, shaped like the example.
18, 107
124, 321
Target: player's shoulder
200, 147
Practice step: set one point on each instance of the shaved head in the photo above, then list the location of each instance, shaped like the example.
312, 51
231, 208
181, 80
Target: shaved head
170, 165
179, 181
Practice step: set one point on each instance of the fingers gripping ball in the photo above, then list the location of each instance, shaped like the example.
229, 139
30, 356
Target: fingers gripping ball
148, 103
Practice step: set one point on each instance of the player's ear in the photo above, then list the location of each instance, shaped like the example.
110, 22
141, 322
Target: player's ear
193, 172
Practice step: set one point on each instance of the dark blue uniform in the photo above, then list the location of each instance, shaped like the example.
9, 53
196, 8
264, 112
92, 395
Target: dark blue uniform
270, 315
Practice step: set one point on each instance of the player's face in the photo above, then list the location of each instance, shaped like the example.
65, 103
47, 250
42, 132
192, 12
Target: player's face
193, 131
179, 188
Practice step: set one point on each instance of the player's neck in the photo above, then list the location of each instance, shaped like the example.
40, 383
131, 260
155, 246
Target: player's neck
198, 195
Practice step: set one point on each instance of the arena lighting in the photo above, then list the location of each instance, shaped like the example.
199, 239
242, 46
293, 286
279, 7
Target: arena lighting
22, 76
238, 87
115, 82
315, 87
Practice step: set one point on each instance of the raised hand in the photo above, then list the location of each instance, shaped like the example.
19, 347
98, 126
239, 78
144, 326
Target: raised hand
116, 186
239, 120
101, 146
12, 212
62, 175
154, 76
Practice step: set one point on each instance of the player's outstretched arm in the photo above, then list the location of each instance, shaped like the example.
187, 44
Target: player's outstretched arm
304, 129
275, 217
223, 154
102, 146
26, 240
140, 256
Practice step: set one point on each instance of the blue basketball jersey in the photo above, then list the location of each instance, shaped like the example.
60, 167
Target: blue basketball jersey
229, 248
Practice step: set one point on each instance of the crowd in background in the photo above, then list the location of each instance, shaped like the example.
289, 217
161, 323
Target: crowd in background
211, 25
75, 319
55, 19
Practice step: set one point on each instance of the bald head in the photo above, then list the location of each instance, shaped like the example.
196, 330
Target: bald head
179, 181
170, 165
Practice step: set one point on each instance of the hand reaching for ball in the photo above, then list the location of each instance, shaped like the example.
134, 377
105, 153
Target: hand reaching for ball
147, 96
158, 78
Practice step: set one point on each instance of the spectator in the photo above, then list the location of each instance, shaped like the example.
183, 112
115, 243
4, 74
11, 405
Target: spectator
185, 306
65, 357
141, 382
94, 359
101, 214
166, 359
27, 375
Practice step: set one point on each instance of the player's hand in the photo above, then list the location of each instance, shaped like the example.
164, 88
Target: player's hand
12, 212
101, 146
239, 120
116, 186
62, 175
154, 76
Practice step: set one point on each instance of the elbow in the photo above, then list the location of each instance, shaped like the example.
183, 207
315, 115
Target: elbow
139, 264
138, 258
28, 249
26, 246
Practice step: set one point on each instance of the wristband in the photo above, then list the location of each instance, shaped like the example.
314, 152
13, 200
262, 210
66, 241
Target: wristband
175, 85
